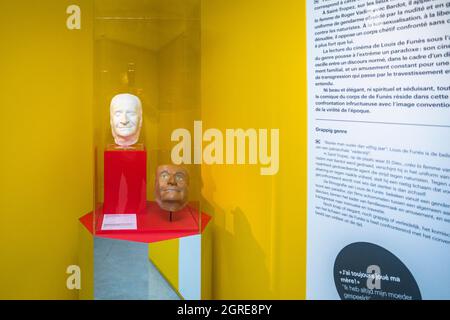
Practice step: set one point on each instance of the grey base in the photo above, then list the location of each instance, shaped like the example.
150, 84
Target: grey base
122, 271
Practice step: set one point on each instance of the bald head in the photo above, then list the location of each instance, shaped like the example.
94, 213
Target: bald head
171, 187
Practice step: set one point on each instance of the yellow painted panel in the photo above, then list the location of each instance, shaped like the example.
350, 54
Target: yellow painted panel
164, 256
206, 264
86, 263
46, 153
254, 76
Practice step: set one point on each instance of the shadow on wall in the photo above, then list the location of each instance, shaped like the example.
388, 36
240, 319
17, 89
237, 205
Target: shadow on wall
240, 269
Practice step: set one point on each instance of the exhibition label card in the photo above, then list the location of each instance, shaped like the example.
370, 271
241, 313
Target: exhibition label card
119, 222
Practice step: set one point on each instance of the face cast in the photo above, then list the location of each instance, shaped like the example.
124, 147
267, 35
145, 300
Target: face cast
171, 187
126, 119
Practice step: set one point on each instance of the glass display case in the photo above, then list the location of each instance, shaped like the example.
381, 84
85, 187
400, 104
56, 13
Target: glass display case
150, 50
146, 204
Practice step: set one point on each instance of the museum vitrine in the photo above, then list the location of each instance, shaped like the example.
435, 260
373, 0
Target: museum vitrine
146, 85
146, 88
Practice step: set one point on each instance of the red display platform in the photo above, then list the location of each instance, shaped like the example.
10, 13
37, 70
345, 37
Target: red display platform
125, 179
153, 225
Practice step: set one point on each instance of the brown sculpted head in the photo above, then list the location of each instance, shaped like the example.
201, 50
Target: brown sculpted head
171, 187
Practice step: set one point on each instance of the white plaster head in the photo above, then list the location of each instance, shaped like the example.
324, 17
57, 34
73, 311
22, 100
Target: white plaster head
126, 118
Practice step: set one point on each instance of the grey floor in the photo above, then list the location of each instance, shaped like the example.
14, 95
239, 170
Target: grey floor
122, 271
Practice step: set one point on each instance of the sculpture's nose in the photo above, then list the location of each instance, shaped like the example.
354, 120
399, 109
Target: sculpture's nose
171, 181
124, 119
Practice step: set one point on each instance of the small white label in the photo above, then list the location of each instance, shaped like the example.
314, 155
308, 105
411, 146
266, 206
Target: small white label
119, 222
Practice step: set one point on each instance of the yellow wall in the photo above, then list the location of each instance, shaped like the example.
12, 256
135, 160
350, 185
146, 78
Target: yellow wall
86, 263
254, 76
46, 153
